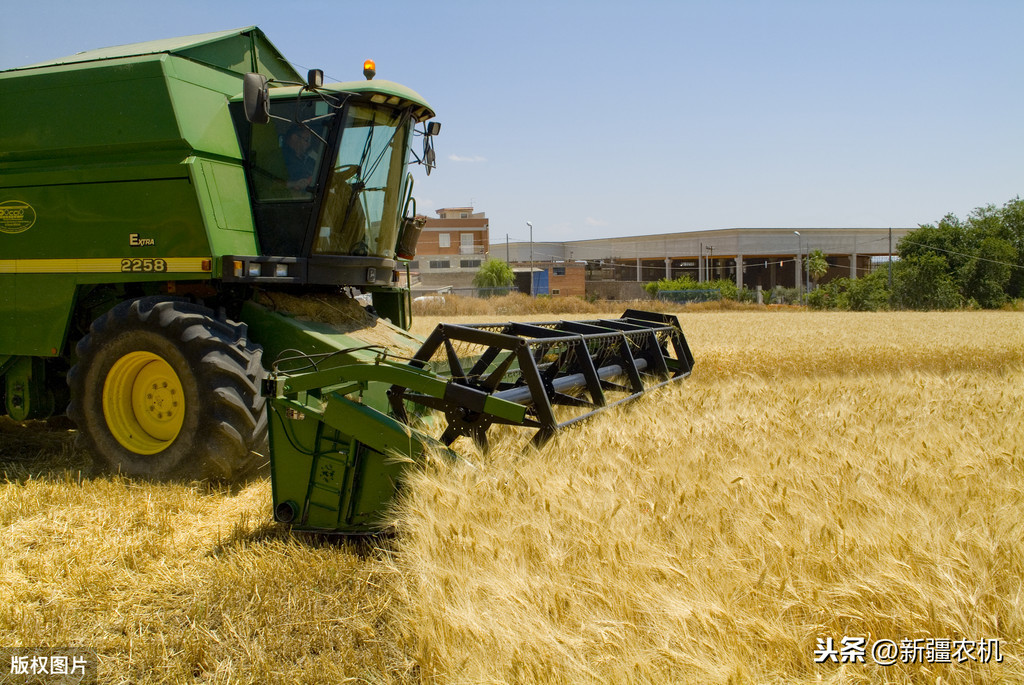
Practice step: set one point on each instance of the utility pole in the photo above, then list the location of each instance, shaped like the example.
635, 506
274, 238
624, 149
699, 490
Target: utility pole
890, 267
796, 275
890, 259
807, 270
532, 289
507, 253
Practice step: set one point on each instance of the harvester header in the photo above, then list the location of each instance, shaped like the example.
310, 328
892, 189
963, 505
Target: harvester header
539, 376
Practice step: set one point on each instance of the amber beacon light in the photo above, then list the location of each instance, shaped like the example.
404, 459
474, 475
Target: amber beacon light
369, 69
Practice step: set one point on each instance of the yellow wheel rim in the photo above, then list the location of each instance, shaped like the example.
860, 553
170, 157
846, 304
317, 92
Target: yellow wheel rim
143, 402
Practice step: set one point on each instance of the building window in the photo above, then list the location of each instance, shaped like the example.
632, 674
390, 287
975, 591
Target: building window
556, 291
440, 264
466, 243
414, 264
469, 263
463, 216
444, 240
559, 270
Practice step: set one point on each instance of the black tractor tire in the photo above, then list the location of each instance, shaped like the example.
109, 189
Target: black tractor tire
163, 389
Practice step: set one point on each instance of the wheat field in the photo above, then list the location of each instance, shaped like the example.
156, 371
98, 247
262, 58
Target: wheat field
819, 476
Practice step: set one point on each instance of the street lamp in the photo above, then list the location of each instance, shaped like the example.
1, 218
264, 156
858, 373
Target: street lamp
807, 271
532, 289
797, 275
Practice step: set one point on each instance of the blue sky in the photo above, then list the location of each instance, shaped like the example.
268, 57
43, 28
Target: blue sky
595, 119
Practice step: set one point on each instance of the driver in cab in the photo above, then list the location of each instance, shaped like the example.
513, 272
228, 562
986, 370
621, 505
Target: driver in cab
297, 158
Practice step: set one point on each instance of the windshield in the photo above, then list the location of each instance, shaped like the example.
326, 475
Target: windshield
360, 212
286, 155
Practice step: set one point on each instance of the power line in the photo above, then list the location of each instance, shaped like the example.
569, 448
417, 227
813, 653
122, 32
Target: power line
961, 254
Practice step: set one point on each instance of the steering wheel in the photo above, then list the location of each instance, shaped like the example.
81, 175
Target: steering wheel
346, 171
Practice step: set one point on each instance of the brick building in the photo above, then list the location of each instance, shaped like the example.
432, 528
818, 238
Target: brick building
559, 279
452, 247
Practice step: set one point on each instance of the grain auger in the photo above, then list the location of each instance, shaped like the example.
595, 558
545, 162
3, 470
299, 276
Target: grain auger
337, 461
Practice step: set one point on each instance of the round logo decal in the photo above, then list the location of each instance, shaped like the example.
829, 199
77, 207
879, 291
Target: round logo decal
16, 216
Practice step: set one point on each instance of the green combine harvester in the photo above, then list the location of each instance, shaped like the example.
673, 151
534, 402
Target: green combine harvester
169, 209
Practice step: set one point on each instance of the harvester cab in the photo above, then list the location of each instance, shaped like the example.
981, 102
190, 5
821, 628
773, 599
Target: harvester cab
331, 195
178, 268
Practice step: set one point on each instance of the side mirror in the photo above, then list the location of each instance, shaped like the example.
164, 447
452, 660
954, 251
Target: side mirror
429, 158
256, 97
430, 129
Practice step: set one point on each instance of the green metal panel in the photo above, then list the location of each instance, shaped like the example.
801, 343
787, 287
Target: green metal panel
84, 233
332, 481
7, 303
224, 201
233, 53
117, 112
36, 323
237, 50
199, 99
41, 315
393, 304
82, 220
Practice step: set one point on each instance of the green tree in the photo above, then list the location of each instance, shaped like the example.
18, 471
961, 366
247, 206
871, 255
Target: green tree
948, 239
1012, 219
986, 276
923, 281
829, 296
981, 255
494, 273
867, 294
870, 293
816, 265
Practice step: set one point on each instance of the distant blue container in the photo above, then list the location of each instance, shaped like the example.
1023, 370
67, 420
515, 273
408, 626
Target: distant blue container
540, 282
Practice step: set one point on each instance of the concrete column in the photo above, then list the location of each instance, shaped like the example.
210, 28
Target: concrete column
853, 265
639, 274
797, 280
668, 269
739, 272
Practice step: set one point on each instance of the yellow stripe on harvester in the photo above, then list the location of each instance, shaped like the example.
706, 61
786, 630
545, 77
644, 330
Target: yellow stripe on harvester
106, 265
